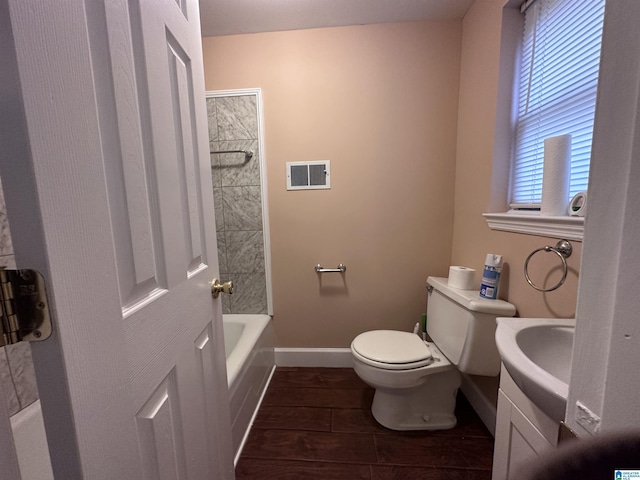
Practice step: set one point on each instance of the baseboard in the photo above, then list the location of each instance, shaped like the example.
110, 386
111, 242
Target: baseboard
314, 357
482, 394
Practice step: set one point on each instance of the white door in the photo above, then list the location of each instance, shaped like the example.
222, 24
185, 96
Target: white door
107, 181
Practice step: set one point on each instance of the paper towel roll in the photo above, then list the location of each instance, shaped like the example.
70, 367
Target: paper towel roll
556, 174
461, 277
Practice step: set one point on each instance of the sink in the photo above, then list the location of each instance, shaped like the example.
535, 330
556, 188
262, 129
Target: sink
537, 354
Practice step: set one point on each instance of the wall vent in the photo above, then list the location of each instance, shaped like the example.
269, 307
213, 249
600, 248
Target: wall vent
308, 175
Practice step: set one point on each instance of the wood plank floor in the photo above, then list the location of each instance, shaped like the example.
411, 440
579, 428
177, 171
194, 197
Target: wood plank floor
316, 423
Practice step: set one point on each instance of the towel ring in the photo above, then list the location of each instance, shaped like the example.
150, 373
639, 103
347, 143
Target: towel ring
563, 249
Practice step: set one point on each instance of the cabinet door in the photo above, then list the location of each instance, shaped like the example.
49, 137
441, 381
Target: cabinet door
517, 442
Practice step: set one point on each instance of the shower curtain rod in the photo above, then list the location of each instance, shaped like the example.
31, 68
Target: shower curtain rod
248, 154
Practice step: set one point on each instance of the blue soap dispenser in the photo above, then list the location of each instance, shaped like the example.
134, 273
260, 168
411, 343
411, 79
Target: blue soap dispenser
491, 276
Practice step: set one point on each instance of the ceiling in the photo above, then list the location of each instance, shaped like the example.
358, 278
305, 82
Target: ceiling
232, 17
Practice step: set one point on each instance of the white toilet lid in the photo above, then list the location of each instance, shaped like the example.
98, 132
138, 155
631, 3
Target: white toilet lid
392, 347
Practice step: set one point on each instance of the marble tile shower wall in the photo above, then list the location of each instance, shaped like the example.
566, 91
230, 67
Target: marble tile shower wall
16, 366
233, 125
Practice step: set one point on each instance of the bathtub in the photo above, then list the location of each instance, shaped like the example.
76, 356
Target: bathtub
248, 342
29, 437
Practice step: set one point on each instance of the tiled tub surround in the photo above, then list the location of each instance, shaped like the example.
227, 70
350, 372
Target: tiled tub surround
16, 366
233, 125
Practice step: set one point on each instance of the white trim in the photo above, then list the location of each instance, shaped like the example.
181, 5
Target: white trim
232, 93
569, 228
605, 348
314, 357
266, 232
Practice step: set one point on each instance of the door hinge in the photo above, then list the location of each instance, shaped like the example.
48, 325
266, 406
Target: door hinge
24, 307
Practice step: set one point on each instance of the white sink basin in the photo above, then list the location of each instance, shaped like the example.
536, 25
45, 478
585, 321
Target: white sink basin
537, 354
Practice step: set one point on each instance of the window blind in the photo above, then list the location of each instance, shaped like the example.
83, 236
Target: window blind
560, 58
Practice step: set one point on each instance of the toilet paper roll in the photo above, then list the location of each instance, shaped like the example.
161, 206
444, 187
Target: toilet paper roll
578, 205
555, 175
461, 277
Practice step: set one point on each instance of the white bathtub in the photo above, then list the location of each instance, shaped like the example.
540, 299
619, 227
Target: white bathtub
248, 341
29, 437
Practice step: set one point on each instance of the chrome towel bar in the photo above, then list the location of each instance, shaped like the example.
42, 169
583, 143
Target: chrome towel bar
341, 269
248, 154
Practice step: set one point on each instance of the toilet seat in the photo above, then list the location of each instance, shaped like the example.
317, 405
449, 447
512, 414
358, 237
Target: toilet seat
392, 350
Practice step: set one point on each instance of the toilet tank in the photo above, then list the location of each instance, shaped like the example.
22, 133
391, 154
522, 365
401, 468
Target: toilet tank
463, 326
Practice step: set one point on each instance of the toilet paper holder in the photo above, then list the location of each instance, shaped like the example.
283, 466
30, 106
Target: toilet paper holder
564, 250
341, 269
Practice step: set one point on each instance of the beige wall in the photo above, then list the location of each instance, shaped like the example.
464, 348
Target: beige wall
407, 114
381, 103
478, 144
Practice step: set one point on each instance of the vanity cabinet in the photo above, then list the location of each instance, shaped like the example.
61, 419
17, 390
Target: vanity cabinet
523, 431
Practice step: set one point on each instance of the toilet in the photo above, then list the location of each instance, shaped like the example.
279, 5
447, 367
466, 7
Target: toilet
416, 382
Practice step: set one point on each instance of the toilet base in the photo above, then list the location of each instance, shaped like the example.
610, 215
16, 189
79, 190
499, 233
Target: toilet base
427, 407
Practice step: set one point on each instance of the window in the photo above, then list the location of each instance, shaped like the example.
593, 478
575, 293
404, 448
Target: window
557, 91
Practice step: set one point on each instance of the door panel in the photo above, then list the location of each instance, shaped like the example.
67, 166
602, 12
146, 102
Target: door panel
160, 433
130, 165
186, 140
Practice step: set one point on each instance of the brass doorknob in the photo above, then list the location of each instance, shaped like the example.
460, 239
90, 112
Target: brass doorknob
217, 288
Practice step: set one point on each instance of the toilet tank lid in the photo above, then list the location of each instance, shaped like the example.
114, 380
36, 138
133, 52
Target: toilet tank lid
471, 299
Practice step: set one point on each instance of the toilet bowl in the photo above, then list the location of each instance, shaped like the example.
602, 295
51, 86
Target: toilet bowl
401, 402
416, 382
